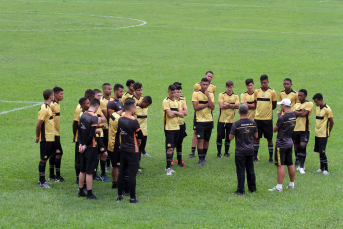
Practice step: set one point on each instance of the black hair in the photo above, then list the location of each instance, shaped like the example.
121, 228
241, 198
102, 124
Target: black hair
129, 103
177, 86
47, 93
249, 81
95, 102
96, 91
147, 99
105, 85
137, 85
209, 72
89, 92
129, 82
57, 89
288, 79
264, 77
82, 100
171, 87
117, 87
204, 80
318, 96
304, 91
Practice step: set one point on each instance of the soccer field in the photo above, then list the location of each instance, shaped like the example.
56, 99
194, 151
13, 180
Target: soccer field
82, 44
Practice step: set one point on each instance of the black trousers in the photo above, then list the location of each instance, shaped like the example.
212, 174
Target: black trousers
245, 163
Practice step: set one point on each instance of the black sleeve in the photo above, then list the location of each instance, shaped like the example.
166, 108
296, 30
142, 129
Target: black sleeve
111, 106
140, 134
79, 139
91, 135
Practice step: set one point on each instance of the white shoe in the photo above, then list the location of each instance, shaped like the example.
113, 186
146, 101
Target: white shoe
318, 171
171, 169
301, 170
169, 172
146, 155
325, 172
298, 168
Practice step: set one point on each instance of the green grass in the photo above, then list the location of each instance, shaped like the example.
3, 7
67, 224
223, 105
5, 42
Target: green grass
71, 44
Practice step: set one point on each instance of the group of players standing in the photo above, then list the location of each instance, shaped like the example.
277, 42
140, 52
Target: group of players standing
100, 119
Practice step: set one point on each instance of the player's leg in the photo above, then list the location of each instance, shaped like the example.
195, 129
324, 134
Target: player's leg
323, 158
82, 175
240, 170
207, 135
179, 146
170, 139
251, 178
58, 152
194, 140
105, 141
52, 167
279, 162
133, 164
304, 137
143, 145
91, 155
46, 149
291, 170
257, 141
227, 140
268, 134
220, 137
296, 141
121, 174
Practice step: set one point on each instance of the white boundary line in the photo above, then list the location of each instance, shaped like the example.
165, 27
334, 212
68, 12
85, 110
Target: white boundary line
7, 101
21, 108
83, 29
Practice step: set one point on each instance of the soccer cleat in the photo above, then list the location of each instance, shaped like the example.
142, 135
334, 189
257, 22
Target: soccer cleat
52, 177
126, 193
178, 161
182, 165
270, 161
172, 162
301, 170
77, 182
318, 171
120, 198
92, 197
255, 161
296, 164
139, 171
169, 172
204, 161
60, 179
219, 155
114, 186
171, 169
43, 185
275, 189
191, 155
238, 193
291, 187
81, 194
325, 172
226, 155
104, 178
146, 155
135, 200
96, 177
200, 163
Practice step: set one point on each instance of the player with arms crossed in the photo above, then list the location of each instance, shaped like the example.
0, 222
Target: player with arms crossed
107, 91
130, 91
248, 98
323, 131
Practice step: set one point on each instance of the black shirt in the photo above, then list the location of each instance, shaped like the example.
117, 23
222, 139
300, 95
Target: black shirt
128, 127
244, 130
87, 126
286, 124
114, 105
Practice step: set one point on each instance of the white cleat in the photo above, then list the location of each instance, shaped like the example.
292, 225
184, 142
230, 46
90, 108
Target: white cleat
146, 155
325, 172
318, 171
301, 170
169, 172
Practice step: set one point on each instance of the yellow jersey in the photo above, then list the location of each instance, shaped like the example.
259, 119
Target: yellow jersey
249, 99
322, 116
170, 123
303, 123
264, 103
55, 108
204, 115
47, 132
227, 115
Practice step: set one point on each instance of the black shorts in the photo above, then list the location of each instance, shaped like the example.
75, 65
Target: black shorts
204, 130
57, 146
221, 128
194, 121
115, 158
172, 138
89, 160
129, 162
105, 138
101, 146
183, 133
77, 153
320, 144
46, 150
283, 156
265, 127
300, 136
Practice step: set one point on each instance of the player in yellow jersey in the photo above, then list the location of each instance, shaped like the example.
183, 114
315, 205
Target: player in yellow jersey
115, 104
288, 93
248, 98
45, 134
182, 124
323, 131
211, 88
89, 94
265, 101
55, 159
172, 110
203, 104
106, 91
301, 134
130, 91
114, 147
138, 91
102, 148
228, 102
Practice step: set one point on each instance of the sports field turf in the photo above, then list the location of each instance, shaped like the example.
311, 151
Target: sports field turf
82, 44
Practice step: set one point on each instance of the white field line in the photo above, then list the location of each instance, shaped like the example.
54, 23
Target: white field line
7, 101
21, 108
247, 30
81, 29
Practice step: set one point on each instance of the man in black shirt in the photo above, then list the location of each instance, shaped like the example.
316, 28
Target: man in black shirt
128, 128
115, 104
245, 131
284, 143
88, 148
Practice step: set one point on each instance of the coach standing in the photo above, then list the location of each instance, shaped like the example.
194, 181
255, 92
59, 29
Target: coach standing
244, 130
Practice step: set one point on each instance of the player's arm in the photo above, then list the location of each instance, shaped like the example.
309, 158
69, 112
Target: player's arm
232, 132
101, 118
210, 101
75, 126
274, 104
301, 113
256, 135
38, 130
330, 120
231, 137
275, 129
198, 107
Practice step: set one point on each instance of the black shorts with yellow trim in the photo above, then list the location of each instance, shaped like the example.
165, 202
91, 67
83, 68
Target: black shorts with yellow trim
320, 144
283, 156
300, 136
57, 146
89, 160
223, 128
204, 130
105, 137
115, 157
46, 150
101, 146
172, 138
265, 128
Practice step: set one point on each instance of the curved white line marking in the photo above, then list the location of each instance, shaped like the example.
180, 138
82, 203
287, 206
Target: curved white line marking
21, 108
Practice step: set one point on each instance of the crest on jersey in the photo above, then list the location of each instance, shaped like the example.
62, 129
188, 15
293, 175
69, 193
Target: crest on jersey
169, 145
102, 149
198, 136
58, 151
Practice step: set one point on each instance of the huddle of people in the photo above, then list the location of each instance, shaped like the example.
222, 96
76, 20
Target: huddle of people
114, 130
